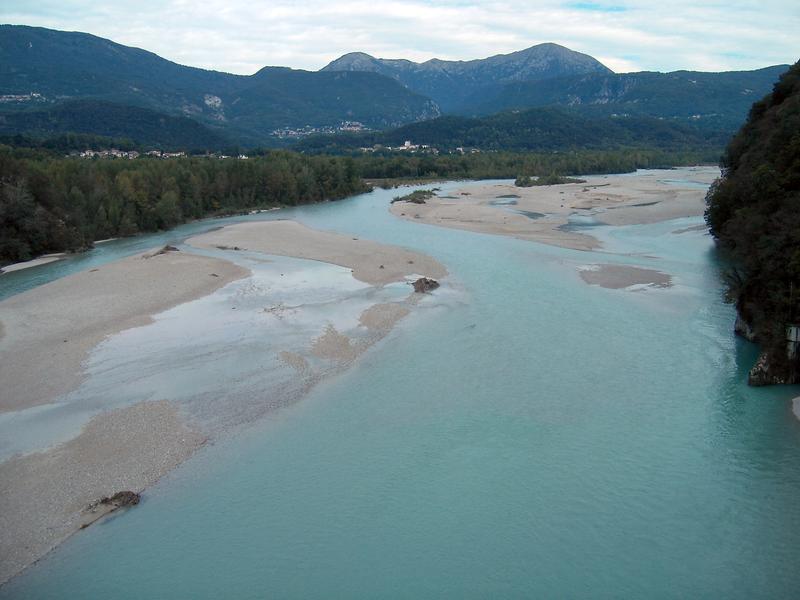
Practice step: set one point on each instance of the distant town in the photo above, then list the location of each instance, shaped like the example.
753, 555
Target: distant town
295, 133
412, 148
407, 147
132, 154
32, 97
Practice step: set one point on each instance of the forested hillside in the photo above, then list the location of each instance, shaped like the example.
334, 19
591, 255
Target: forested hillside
41, 67
705, 99
538, 129
98, 118
754, 211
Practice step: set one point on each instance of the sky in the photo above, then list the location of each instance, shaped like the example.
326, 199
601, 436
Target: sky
241, 36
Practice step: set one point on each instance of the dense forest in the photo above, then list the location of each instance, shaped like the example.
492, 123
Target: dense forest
509, 165
754, 211
51, 203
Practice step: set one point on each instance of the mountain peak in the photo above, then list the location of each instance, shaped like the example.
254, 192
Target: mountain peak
352, 61
450, 82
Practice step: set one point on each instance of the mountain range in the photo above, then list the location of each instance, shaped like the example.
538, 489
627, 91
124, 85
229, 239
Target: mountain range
61, 66
55, 82
452, 84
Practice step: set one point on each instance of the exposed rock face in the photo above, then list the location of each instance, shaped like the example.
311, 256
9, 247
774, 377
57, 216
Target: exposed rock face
743, 329
763, 374
423, 285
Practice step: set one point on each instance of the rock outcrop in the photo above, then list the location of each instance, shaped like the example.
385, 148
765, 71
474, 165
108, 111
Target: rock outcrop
763, 374
423, 285
743, 329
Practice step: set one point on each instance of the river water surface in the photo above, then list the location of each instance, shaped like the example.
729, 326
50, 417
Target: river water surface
534, 436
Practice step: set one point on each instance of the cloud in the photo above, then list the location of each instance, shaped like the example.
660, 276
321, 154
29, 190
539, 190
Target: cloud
242, 37
595, 6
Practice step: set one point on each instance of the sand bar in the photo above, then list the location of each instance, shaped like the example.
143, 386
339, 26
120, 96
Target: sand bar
371, 262
42, 260
43, 496
542, 213
617, 277
58, 323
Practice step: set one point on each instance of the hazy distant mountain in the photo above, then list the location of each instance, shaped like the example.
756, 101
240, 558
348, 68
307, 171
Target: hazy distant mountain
721, 98
451, 83
57, 66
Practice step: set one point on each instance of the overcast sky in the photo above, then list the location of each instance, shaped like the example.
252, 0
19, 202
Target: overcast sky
241, 36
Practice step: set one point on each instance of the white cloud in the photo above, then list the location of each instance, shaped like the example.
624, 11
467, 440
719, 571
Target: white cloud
242, 37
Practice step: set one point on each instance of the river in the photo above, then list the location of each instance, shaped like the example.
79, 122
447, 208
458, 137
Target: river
529, 436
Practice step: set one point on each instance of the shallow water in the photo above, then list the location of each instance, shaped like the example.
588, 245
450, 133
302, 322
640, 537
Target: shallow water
217, 355
538, 438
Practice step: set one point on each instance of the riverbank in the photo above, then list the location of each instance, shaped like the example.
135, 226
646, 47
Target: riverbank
48, 334
549, 214
35, 262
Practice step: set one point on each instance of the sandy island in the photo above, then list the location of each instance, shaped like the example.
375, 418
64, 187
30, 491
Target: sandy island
617, 277
371, 262
58, 323
45, 335
541, 213
44, 495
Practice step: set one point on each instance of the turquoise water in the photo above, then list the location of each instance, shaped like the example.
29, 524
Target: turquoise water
540, 438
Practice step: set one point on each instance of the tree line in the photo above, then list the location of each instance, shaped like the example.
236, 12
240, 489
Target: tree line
510, 165
754, 211
53, 203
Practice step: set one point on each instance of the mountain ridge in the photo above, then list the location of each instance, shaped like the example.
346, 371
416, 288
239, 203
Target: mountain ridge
449, 82
726, 95
48, 66
42, 69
